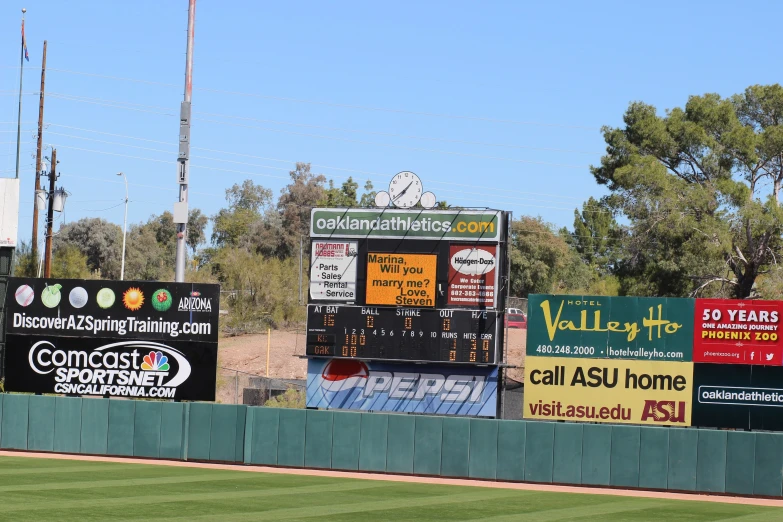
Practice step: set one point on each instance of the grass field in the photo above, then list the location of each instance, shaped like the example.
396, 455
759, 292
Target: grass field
65, 490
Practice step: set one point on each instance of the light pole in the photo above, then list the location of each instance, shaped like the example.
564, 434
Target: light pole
124, 226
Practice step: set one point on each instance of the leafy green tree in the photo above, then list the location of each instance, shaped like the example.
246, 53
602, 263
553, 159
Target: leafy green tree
146, 258
262, 290
542, 261
25, 264
99, 240
344, 196
691, 185
292, 220
197, 223
69, 262
596, 235
368, 198
246, 204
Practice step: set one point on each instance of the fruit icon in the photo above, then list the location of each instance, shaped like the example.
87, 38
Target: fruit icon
161, 300
78, 297
105, 298
50, 296
133, 298
24, 295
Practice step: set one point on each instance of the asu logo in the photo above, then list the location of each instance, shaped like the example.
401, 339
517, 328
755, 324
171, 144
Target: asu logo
664, 411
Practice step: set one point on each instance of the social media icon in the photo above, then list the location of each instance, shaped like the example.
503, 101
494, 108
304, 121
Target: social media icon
752, 355
770, 356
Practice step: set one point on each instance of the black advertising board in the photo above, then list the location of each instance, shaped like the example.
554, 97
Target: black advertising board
738, 396
179, 370
112, 309
405, 334
112, 338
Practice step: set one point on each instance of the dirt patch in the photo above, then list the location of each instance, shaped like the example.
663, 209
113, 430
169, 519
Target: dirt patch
244, 356
515, 353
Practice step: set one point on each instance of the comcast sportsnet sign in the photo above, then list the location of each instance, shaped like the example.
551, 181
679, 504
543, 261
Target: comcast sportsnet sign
476, 225
112, 338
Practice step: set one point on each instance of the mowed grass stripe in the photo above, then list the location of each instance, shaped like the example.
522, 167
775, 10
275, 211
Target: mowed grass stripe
91, 484
149, 501
7, 470
369, 506
607, 508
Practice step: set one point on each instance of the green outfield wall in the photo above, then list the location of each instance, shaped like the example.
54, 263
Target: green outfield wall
678, 459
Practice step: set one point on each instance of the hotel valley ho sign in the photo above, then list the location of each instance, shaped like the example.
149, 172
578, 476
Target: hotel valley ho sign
476, 225
610, 327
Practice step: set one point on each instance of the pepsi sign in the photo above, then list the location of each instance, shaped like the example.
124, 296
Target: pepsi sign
374, 386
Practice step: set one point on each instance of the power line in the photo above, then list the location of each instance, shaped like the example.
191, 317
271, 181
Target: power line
257, 174
333, 104
337, 138
368, 173
458, 192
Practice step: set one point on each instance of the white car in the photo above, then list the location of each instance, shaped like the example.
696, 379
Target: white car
515, 311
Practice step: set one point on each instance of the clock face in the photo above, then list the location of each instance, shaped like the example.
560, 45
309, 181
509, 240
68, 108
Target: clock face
405, 190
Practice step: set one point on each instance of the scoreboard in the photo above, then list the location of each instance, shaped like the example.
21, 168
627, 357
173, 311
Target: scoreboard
408, 285
404, 334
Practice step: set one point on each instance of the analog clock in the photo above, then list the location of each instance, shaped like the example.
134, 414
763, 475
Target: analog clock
405, 190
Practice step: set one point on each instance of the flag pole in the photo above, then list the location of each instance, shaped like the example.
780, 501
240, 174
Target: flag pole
19, 116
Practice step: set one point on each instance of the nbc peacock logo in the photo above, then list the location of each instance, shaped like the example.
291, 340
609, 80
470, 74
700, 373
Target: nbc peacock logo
155, 362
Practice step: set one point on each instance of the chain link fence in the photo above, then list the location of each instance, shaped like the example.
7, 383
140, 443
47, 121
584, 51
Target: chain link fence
517, 302
238, 387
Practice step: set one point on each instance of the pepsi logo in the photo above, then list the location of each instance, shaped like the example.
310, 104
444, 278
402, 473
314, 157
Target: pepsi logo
340, 374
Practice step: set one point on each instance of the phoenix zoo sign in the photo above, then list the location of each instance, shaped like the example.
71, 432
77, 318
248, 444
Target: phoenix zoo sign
593, 390
124, 369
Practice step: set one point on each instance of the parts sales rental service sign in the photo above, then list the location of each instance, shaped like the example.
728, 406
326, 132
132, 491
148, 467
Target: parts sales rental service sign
112, 338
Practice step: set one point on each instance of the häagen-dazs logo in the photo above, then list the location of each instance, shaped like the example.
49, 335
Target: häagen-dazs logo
195, 303
473, 261
128, 368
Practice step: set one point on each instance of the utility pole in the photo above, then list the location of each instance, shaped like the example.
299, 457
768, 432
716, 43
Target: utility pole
21, 76
181, 207
50, 217
38, 158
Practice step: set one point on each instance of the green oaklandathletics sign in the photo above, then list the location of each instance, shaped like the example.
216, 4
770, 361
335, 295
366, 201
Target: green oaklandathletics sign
410, 224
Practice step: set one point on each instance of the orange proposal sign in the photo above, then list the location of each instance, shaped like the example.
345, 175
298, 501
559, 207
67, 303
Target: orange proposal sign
401, 279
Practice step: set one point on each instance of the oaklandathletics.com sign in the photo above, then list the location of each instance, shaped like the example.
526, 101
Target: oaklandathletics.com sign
129, 339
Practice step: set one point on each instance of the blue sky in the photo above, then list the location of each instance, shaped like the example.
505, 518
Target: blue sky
493, 104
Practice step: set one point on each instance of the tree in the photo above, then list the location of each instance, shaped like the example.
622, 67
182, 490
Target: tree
25, 265
368, 198
197, 222
246, 203
296, 201
68, 262
595, 235
147, 258
690, 184
99, 240
542, 261
345, 196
